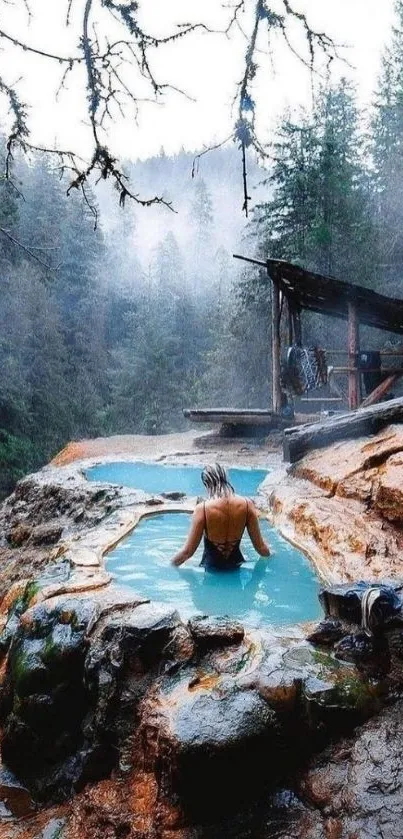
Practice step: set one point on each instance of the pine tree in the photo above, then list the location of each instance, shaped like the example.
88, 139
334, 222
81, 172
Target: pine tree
388, 160
319, 212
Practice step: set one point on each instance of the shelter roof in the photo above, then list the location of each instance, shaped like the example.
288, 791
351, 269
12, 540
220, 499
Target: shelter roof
330, 296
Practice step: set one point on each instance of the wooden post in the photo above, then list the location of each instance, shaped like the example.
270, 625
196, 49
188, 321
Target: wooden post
297, 326
275, 348
295, 331
290, 323
353, 349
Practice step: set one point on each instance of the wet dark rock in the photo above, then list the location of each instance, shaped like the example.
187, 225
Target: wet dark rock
127, 654
334, 707
210, 632
356, 784
369, 652
281, 689
50, 500
44, 700
14, 795
327, 632
173, 496
46, 534
394, 639
77, 671
222, 745
102, 684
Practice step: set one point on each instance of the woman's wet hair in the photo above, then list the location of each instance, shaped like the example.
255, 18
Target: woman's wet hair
216, 481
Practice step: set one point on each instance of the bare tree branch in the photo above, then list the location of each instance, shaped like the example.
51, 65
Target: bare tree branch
27, 250
196, 159
110, 92
27, 48
68, 13
264, 16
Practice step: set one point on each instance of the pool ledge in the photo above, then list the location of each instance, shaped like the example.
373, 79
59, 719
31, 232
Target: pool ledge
89, 550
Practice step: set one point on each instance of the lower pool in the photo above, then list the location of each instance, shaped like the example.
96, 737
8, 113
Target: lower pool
282, 589
156, 477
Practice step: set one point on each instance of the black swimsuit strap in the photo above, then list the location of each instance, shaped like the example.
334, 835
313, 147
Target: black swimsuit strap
205, 519
223, 546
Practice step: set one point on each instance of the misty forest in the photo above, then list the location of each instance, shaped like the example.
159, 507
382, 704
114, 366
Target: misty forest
116, 317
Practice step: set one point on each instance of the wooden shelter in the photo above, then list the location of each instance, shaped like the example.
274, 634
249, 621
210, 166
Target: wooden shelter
295, 290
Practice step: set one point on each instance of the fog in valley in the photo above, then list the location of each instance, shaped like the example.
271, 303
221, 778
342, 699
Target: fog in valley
113, 319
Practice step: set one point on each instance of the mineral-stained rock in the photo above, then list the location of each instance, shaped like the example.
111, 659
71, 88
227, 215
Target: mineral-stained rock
389, 494
280, 689
17, 607
209, 632
15, 796
19, 534
343, 461
343, 505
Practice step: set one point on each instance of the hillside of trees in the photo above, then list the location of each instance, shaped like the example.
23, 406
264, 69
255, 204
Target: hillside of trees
149, 313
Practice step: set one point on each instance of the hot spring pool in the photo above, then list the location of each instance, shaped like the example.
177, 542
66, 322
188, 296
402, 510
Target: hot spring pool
157, 478
282, 589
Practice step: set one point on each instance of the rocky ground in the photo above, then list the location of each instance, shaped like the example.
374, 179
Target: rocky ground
119, 720
343, 505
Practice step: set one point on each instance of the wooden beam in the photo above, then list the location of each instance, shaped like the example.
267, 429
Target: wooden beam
275, 348
243, 416
353, 350
297, 441
382, 389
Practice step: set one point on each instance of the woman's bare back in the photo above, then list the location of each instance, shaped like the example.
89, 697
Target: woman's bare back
225, 520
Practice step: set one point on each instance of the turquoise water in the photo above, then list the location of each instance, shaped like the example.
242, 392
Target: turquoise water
156, 478
282, 589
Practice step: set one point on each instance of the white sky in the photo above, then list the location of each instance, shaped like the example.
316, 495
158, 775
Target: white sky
206, 65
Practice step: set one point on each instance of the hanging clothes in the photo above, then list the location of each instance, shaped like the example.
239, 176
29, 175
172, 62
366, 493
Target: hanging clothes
306, 368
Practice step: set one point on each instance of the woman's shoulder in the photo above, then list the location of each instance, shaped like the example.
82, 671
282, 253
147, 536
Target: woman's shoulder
242, 499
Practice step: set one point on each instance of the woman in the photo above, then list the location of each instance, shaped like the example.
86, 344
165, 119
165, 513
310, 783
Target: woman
222, 519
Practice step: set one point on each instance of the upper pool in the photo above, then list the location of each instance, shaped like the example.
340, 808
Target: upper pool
157, 478
282, 589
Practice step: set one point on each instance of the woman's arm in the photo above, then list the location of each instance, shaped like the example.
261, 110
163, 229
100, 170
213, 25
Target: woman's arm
194, 537
253, 528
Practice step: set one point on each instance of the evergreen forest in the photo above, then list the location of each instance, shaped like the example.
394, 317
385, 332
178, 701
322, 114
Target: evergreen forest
115, 330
